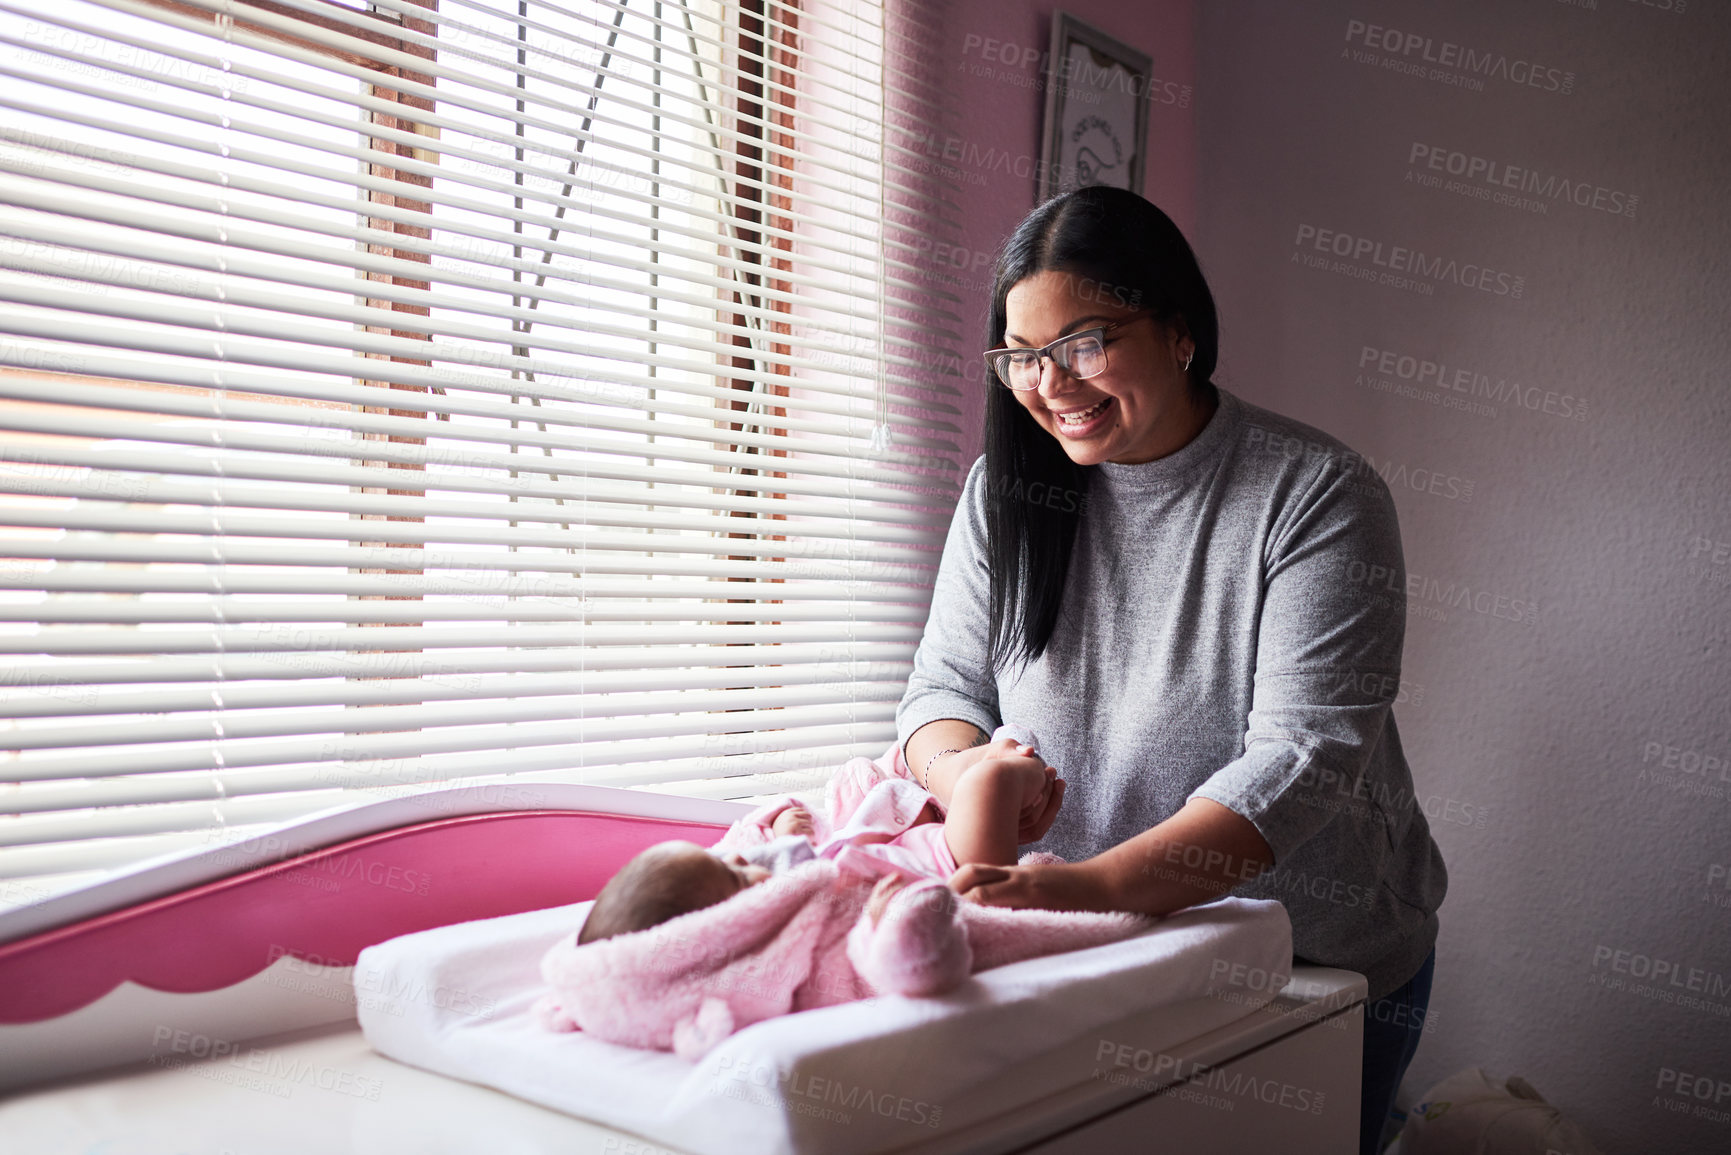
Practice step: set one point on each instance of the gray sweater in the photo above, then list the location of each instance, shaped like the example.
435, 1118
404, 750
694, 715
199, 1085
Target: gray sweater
1232, 630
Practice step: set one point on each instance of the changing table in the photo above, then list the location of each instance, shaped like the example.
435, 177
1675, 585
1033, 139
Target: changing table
193, 970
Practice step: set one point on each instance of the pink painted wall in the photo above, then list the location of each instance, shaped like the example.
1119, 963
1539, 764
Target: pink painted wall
995, 57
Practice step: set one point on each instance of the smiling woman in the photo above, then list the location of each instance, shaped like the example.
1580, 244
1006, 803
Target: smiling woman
1092, 262
1187, 636
1123, 395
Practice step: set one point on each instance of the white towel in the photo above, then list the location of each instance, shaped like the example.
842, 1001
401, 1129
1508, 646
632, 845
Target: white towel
843, 1080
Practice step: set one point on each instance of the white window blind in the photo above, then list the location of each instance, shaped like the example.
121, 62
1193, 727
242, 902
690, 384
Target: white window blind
422, 391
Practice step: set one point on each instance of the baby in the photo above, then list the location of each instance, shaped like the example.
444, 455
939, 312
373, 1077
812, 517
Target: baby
674, 878
686, 946
889, 815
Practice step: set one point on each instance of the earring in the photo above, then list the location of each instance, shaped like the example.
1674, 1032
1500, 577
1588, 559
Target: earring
1191, 356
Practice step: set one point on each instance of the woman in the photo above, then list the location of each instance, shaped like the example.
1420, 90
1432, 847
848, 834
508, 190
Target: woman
1198, 606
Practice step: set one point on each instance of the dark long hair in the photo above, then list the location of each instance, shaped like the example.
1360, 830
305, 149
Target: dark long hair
1138, 257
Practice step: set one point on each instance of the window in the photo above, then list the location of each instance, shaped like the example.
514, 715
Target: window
443, 391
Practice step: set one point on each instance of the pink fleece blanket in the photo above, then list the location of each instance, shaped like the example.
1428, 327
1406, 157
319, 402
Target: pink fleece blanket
796, 942
801, 940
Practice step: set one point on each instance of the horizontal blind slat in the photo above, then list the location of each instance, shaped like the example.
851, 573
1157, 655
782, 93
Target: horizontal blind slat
460, 671
243, 752
90, 701
233, 723
70, 640
798, 555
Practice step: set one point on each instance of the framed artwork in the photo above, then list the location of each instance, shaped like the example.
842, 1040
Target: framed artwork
1096, 110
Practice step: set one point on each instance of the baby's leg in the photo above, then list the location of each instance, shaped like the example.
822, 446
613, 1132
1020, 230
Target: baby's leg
985, 813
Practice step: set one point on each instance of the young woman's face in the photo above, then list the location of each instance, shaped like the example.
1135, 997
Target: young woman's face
1139, 409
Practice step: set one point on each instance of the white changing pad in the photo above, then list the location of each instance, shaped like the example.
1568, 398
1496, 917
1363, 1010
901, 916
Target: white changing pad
864, 1077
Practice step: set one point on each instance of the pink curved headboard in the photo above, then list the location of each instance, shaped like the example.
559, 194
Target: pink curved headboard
329, 904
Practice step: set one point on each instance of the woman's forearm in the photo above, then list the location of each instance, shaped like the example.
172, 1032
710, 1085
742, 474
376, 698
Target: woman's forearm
933, 739
1195, 856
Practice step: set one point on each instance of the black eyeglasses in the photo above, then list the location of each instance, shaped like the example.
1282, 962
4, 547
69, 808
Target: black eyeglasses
1081, 355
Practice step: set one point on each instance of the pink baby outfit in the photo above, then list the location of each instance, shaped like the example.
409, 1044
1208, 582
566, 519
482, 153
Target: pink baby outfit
798, 941
870, 805
873, 805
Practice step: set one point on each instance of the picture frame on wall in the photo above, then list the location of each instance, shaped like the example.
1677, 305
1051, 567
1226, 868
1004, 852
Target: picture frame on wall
1096, 126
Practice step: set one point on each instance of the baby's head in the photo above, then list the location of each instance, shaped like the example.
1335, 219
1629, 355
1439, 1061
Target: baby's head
665, 881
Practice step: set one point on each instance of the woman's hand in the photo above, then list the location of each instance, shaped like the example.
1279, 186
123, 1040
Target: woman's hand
1055, 886
1038, 816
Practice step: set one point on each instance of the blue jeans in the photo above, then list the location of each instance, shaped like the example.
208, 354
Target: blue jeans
1392, 1026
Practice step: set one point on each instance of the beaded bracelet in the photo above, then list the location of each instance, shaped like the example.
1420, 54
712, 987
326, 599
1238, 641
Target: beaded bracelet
927, 784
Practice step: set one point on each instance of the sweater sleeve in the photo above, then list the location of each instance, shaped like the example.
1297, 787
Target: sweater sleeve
953, 676
1328, 659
